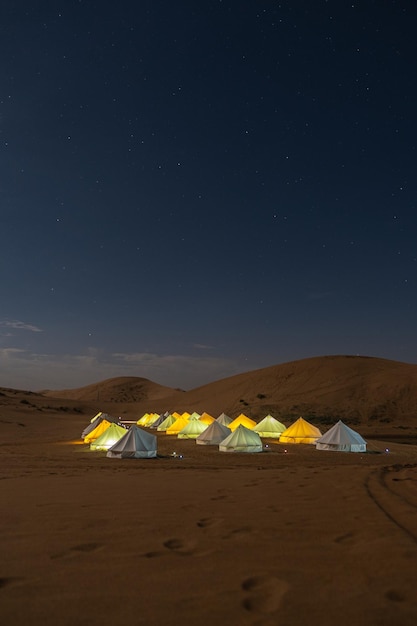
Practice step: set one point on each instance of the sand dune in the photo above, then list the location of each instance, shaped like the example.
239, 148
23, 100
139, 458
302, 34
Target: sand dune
282, 537
365, 392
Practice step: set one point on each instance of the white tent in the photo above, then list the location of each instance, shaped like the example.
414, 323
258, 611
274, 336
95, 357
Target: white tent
135, 444
341, 438
241, 440
213, 435
224, 419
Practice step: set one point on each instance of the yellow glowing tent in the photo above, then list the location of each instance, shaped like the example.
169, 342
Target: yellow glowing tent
142, 420
178, 425
300, 432
241, 420
97, 431
111, 435
206, 418
151, 419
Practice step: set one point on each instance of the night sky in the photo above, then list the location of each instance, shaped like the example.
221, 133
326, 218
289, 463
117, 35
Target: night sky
190, 190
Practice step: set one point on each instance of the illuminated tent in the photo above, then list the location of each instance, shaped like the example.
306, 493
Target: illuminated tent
269, 427
135, 444
300, 432
159, 420
192, 429
178, 425
243, 420
206, 418
224, 419
97, 419
97, 431
108, 437
153, 417
241, 440
341, 438
166, 423
195, 415
142, 420
213, 434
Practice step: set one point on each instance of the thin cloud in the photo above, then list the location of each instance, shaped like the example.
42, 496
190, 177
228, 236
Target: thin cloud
18, 325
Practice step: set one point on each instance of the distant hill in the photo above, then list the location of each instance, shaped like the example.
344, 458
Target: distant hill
357, 389
123, 389
378, 395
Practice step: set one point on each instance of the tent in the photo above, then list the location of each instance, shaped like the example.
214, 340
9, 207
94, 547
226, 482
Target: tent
108, 437
166, 423
241, 440
97, 419
153, 417
300, 432
224, 419
213, 434
192, 429
206, 418
97, 431
269, 427
135, 444
243, 420
195, 415
159, 420
176, 426
142, 420
341, 438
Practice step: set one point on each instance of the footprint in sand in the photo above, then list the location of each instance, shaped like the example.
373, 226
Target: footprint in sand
80, 548
239, 533
179, 546
263, 594
207, 522
153, 555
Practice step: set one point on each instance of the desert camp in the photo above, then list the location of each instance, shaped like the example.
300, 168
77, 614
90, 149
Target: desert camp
285, 521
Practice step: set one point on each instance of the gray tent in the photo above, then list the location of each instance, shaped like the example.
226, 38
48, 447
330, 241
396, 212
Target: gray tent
341, 438
213, 435
135, 444
224, 419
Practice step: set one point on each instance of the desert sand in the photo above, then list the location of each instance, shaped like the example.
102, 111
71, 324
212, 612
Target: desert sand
291, 535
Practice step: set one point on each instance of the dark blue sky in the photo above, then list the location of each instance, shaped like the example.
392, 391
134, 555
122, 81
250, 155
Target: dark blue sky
194, 189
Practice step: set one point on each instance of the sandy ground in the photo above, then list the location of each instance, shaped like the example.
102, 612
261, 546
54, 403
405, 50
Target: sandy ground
295, 537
